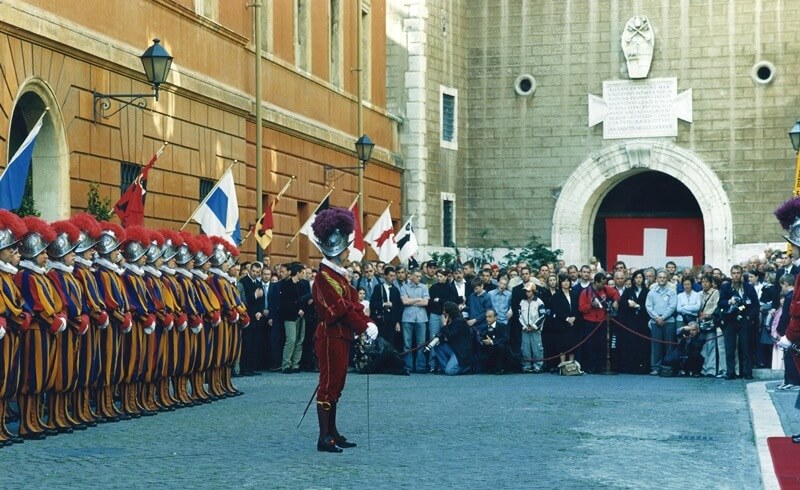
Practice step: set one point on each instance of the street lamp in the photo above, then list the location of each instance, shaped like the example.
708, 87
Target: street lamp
794, 136
156, 62
364, 147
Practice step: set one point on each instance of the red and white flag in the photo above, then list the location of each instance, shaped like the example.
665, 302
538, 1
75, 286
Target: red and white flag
357, 245
381, 238
130, 207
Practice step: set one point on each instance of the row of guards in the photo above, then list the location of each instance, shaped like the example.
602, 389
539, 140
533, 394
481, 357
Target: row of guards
100, 323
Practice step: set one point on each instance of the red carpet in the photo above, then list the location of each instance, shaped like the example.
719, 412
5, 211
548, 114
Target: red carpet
786, 460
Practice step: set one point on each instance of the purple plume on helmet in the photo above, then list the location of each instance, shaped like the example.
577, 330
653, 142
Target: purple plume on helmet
788, 212
332, 219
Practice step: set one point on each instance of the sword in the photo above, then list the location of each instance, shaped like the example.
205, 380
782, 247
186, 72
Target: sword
308, 406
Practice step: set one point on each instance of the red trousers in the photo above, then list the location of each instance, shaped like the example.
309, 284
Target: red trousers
332, 355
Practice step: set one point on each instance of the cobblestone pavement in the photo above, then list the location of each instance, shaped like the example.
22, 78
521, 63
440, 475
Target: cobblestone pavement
482, 431
784, 402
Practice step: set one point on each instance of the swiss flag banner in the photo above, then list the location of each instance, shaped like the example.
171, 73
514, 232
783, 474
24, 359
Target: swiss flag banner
652, 242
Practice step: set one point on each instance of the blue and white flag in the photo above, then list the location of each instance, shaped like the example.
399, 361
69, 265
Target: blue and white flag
218, 214
12, 182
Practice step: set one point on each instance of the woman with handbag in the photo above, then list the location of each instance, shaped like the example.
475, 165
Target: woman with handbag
713, 349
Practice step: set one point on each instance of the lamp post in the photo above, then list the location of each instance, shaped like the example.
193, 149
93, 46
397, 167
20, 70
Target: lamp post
156, 62
364, 146
794, 136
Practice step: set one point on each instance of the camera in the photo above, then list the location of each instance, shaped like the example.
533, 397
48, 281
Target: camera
706, 325
736, 310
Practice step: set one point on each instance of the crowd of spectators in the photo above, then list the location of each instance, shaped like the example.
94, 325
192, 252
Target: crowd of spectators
535, 318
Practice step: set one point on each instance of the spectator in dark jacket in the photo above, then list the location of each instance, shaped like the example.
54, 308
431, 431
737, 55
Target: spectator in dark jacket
386, 307
456, 353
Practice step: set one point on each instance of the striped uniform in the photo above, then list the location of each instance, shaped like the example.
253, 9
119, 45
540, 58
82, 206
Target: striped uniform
89, 354
190, 343
229, 341
11, 308
112, 290
174, 299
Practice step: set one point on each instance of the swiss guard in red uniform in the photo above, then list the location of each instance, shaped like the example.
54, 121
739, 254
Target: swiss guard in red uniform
341, 319
789, 216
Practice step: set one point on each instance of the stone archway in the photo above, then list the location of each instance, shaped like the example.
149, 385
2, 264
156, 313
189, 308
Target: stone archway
584, 190
50, 164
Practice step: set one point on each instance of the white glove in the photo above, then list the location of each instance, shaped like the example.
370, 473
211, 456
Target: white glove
784, 343
63, 324
182, 327
197, 329
104, 325
169, 326
2, 332
433, 343
372, 331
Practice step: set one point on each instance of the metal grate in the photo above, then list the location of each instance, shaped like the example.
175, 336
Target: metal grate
448, 240
205, 187
128, 171
448, 117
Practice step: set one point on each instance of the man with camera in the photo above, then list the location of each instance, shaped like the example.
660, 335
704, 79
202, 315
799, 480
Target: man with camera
739, 303
494, 344
455, 342
386, 307
595, 303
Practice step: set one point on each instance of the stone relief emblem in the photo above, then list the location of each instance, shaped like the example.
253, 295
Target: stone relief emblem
637, 44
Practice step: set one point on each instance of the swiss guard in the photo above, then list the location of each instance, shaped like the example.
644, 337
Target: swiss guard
341, 319
789, 216
210, 308
15, 319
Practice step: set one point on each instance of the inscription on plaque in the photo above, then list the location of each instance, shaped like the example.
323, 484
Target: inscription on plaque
640, 109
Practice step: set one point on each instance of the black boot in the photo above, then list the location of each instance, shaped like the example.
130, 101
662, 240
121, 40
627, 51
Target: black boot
325, 442
339, 439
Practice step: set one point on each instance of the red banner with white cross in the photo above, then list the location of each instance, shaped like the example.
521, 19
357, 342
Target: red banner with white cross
652, 242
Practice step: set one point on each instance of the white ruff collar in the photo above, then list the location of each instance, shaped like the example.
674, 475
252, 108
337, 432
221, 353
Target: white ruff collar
152, 271
202, 275
6, 267
82, 261
223, 275
339, 269
184, 272
168, 270
27, 264
135, 269
61, 266
107, 264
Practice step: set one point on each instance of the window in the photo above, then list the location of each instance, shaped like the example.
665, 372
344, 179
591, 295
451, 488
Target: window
336, 43
302, 29
366, 51
448, 117
266, 26
448, 219
205, 187
128, 172
208, 9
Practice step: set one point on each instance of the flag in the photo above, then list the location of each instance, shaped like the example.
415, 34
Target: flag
381, 238
130, 207
264, 226
357, 246
12, 181
406, 240
306, 228
218, 214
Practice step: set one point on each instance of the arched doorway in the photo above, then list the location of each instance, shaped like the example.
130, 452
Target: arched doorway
50, 184
583, 192
650, 215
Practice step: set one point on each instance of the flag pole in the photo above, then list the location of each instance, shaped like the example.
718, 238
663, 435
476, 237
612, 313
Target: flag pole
309, 217
350, 207
235, 161
13, 157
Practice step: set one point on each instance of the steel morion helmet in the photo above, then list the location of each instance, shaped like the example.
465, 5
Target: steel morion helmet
12, 228
111, 238
136, 243
89, 229
38, 237
172, 242
185, 254
220, 252
332, 228
788, 214
156, 248
67, 236
202, 250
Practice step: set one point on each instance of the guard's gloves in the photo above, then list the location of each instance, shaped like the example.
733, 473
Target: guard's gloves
784, 343
371, 332
149, 324
24, 321
101, 319
182, 322
59, 324
196, 324
83, 324
169, 321
2, 327
245, 320
215, 318
127, 323
233, 316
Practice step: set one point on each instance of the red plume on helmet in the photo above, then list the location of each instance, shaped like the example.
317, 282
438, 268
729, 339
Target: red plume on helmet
88, 224
204, 245
40, 227
117, 230
66, 226
137, 234
189, 241
173, 236
13, 223
157, 237
217, 240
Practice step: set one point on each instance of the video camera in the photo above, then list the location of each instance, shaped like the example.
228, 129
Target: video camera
735, 309
707, 325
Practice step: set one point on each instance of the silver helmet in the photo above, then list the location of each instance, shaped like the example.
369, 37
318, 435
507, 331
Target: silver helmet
133, 251
7, 238
32, 245
219, 255
183, 255
200, 258
60, 247
168, 250
107, 243
84, 243
334, 243
153, 252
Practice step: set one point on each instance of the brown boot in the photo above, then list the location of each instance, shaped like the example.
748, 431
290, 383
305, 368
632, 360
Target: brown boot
30, 426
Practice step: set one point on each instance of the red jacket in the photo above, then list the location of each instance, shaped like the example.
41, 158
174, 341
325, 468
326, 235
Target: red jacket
590, 312
793, 330
341, 314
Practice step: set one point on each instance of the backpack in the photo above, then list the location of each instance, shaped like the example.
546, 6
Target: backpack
570, 368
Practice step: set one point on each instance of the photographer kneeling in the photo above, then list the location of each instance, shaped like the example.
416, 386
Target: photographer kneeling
686, 358
494, 345
455, 342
